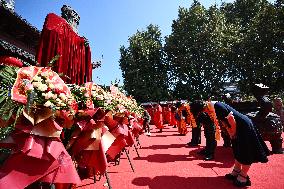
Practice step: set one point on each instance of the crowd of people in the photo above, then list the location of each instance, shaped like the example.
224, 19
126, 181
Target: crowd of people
218, 119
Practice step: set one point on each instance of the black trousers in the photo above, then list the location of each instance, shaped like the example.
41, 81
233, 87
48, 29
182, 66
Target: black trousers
146, 126
196, 135
211, 143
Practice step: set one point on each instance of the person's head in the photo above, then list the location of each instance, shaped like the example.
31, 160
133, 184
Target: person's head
178, 104
196, 107
277, 102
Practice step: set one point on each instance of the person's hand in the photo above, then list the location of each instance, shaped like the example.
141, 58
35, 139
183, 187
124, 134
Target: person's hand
232, 125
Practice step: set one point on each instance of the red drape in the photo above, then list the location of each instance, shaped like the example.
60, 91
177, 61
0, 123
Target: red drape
58, 38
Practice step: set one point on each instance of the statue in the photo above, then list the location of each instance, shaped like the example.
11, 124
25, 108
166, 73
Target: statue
71, 16
268, 123
59, 37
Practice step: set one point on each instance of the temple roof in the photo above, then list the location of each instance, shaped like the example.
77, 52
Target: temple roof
12, 50
19, 33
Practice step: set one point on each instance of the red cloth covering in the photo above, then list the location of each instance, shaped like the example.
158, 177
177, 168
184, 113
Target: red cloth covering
136, 127
58, 38
89, 142
87, 157
123, 125
117, 146
121, 133
36, 158
140, 121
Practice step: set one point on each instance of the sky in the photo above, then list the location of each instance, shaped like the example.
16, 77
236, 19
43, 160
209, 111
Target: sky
108, 24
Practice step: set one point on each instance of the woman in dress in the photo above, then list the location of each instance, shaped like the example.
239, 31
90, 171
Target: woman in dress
247, 143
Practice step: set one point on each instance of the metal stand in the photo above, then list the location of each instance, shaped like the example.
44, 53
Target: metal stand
136, 149
108, 180
138, 142
129, 160
117, 159
95, 180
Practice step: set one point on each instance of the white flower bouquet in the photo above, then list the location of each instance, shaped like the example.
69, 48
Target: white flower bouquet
41, 87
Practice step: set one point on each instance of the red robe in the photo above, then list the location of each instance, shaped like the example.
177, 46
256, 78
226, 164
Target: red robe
158, 117
173, 118
58, 38
168, 115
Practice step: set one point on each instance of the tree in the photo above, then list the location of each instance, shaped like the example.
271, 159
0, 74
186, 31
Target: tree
255, 54
143, 69
278, 46
197, 50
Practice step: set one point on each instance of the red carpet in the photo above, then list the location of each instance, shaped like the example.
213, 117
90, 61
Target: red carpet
167, 163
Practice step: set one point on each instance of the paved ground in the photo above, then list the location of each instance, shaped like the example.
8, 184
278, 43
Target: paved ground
166, 162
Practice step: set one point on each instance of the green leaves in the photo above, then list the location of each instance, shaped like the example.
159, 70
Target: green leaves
8, 107
142, 65
240, 42
53, 60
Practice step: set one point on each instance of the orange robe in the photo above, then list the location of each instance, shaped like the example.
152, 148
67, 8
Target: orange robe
181, 123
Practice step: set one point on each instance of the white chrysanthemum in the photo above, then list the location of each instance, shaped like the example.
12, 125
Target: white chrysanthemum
50, 85
82, 88
62, 104
48, 95
36, 84
49, 80
60, 87
54, 96
26, 72
63, 96
48, 104
42, 87
45, 74
94, 94
99, 97
36, 78
58, 101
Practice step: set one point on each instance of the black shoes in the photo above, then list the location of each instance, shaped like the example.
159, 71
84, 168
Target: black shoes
242, 184
229, 176
209, 157
192, 144
236, 181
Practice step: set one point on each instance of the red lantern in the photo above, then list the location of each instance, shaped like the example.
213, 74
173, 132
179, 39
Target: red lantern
10, 61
